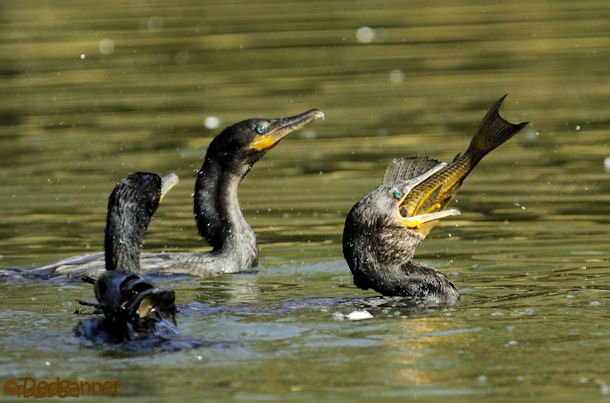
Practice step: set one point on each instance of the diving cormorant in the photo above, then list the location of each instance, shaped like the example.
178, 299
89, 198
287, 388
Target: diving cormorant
132, 306
383, 230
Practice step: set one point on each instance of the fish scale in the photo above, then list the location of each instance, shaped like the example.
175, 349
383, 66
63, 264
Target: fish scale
444, 184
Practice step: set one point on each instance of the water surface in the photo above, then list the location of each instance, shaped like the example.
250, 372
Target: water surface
90, 94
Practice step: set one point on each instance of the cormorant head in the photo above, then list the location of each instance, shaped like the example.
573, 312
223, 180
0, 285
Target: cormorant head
244, 143
141, 193
383, 207
131, 206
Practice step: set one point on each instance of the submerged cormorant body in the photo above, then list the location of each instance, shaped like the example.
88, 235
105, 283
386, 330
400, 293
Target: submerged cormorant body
383, 230
229, 157
132, 306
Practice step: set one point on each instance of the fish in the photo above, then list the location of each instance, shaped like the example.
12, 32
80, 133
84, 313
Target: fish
428, 200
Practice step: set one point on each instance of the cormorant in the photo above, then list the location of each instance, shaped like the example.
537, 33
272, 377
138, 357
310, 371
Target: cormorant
132, 306
228, 159
383, 230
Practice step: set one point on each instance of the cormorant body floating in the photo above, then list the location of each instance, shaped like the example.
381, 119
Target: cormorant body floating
131, 305
228, 159
383, 229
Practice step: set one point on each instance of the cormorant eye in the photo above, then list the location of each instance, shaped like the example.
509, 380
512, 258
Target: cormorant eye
397, 194
261, 129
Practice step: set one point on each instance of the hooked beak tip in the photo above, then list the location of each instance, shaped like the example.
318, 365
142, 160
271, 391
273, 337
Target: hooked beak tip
167, 183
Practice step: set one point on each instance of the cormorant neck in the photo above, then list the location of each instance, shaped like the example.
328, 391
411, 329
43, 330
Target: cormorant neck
123, 237
370, 253
382, 259
219, 218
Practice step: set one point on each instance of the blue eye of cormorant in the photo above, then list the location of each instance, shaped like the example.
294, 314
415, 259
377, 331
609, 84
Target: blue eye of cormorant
261, 129
397, 194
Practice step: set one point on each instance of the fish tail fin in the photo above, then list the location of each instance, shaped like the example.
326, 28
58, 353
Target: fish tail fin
493, 131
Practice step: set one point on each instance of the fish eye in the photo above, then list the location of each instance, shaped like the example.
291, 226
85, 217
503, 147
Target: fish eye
260, 129
397, 194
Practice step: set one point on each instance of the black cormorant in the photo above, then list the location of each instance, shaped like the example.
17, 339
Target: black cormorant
383, 230
132, 306
228, 159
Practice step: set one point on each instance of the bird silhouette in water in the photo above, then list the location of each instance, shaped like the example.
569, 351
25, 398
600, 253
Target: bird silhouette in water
219, 219
383, 229
131, 306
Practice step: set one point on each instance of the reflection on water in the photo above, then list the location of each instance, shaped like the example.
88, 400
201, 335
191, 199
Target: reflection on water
92, 93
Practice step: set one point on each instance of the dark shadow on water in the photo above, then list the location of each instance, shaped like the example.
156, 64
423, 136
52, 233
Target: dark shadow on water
151, 345
166, 338
162, 342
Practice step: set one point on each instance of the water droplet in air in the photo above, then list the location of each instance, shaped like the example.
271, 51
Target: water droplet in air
211, 122
155, 23
365, 34
607, 164
309, 134
531, 133
106, 46
396, 76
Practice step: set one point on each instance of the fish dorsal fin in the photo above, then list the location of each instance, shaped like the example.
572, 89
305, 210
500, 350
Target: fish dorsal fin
405, 168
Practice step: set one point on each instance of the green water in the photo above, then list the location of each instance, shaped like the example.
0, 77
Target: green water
89, 93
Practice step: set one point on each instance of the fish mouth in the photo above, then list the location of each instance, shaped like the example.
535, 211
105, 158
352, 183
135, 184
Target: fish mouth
167, 183
280, 128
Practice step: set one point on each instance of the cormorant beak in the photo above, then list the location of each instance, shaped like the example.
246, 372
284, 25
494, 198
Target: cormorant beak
280, 128
422, 223
156, 304
167, 182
